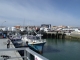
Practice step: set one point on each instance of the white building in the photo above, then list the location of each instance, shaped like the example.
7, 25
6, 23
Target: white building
22, 29
13, 29
4, 28
71, 29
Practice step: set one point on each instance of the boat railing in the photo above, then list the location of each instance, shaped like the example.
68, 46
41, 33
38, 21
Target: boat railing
41, 40
32, 38
27, 54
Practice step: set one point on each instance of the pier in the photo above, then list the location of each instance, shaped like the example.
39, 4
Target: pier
12, 52
6, 53
56, 35
73, 36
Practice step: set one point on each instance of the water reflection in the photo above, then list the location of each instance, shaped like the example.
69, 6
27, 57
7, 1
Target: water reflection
55, 41
64, 49
49, 49
51, 45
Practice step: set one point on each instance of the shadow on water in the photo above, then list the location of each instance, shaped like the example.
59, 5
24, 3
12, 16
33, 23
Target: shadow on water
49, 49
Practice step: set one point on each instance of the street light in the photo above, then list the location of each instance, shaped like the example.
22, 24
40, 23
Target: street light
3, 23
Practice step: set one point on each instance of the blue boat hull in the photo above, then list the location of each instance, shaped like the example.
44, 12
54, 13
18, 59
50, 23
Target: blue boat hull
37, 47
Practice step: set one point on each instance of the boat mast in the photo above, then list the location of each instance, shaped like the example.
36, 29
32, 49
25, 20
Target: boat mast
24, 24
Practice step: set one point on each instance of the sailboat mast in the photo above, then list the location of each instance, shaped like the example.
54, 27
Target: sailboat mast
24, 23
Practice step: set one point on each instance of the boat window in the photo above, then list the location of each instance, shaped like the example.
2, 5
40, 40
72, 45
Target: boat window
1, 33
37, 38
30, 37
33, 37
16, 40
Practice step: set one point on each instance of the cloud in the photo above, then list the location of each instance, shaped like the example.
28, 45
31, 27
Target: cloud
34, 13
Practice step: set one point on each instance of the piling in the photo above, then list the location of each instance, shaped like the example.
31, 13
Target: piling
56, 35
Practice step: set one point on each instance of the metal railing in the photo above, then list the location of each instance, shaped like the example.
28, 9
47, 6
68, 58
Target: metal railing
27, 51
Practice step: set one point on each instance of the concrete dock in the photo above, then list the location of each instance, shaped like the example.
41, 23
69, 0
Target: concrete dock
55, 34
3, 45
12, 54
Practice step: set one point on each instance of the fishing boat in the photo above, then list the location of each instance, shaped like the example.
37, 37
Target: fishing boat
34, 42
16, 40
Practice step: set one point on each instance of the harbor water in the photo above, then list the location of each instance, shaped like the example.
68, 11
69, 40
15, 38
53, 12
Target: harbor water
58, 49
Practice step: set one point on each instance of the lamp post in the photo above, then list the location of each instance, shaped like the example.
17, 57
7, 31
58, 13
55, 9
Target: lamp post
3, 23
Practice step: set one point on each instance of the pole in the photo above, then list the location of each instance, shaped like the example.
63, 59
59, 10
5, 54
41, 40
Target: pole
24, 23
2, 23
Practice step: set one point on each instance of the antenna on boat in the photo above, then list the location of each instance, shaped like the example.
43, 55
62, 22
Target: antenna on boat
39, 35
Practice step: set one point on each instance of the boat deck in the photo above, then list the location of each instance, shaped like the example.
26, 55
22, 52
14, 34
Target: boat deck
3, 45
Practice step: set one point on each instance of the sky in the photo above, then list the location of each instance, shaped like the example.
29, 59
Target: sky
37, 12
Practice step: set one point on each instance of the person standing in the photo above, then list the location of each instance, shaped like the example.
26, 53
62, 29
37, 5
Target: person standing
8, 43
27, 43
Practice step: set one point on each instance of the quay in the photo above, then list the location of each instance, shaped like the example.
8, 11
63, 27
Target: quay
73, 36
55, 34
61, 35
3, 45
12, 52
